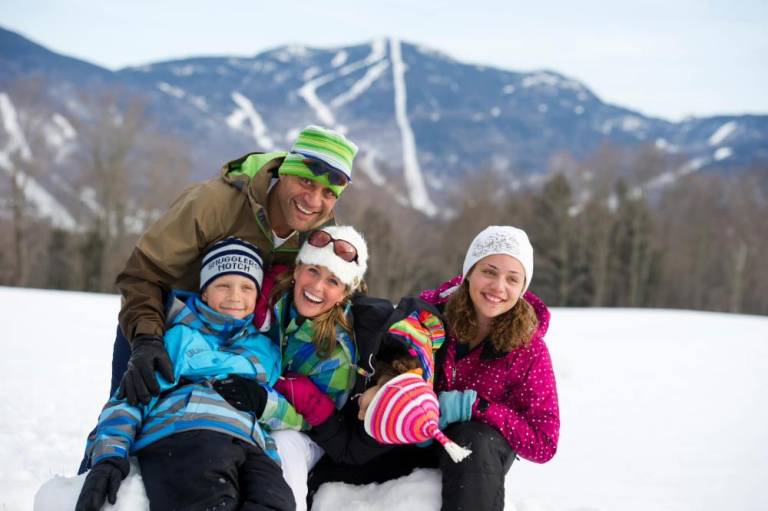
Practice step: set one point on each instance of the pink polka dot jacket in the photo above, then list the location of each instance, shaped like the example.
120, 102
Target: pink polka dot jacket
518, 386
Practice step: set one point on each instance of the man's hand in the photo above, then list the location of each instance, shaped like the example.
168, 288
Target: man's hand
244, 394
102, 483
139, 382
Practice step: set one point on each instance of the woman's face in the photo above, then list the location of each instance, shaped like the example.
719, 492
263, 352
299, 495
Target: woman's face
495, 285
316, 290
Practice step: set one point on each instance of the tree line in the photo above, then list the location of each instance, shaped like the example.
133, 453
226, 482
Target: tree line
619, 229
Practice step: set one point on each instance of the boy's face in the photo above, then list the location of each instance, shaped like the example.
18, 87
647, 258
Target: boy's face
365, 399
233, 295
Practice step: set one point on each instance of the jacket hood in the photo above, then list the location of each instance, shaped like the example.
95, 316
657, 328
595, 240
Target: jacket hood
188, 309
252, 173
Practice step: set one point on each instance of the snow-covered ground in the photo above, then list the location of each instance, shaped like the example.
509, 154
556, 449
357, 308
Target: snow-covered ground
661, 410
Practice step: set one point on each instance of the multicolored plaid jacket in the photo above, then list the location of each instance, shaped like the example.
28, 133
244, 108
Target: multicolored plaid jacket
204, 346
334, 375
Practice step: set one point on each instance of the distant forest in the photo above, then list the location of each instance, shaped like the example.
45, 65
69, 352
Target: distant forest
623, 228
612, 231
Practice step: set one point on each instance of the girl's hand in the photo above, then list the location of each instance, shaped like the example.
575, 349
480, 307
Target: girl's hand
456, 406
365, 399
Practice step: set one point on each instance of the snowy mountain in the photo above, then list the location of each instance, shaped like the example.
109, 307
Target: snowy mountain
423, 120
658, 412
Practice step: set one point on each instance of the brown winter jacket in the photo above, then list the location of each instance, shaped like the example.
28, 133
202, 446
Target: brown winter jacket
169, 253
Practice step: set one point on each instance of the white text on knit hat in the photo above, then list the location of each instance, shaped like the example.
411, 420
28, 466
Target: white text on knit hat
232, 256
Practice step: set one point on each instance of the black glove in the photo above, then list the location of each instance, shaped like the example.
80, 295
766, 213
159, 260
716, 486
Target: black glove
102, 482
243, 393
139, 382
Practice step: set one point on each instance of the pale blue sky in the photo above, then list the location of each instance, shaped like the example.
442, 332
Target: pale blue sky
665, 58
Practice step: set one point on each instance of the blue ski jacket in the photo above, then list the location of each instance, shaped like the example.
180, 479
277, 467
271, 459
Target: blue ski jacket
203, 346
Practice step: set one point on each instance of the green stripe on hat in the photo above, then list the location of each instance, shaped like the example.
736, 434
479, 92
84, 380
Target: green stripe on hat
327, 145
293, 165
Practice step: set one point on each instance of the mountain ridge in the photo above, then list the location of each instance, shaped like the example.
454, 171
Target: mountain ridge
425, 121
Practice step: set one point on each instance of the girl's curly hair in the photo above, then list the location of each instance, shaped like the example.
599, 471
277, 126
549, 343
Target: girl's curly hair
509, 331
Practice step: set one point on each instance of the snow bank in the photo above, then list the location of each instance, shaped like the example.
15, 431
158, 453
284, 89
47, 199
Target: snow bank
661, 410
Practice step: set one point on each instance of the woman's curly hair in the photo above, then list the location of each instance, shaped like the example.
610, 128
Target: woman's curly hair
509, 331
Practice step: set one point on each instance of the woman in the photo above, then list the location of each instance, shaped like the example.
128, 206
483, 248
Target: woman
312, 323
494, 378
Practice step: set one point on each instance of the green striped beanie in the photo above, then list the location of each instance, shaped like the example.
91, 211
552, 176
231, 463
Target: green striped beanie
328, 146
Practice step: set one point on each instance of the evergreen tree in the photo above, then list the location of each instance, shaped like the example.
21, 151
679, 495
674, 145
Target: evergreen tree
559, 270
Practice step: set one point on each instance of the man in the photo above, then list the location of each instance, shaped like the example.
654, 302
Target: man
268, 199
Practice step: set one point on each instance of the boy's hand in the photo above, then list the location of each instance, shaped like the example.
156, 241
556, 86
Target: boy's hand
139, 382
456, 406
102, 483
242, 393
306, 398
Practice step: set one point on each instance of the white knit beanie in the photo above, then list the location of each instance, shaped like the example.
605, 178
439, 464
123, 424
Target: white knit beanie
350, 273
501, 239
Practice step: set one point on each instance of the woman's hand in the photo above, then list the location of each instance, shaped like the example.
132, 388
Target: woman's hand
305, 397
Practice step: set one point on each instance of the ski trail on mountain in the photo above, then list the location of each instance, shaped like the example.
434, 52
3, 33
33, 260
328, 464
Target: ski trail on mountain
414, 180
45, 203
308, 91
16, 139
248, 112
374, 73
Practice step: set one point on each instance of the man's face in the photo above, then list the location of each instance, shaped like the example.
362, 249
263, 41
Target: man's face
300, 204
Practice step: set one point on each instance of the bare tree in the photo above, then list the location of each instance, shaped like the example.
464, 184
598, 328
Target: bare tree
23, 139
108, 135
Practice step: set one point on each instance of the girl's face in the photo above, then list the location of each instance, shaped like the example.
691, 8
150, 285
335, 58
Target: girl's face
495, 285
316, 290
233, 295
365, 399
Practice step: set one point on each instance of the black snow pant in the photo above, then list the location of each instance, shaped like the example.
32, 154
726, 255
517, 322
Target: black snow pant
206, 470
475, 484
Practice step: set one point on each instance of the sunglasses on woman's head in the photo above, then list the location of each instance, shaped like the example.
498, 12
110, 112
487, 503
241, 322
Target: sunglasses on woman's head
341, 248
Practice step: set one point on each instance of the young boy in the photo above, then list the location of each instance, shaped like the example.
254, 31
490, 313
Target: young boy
199, 443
